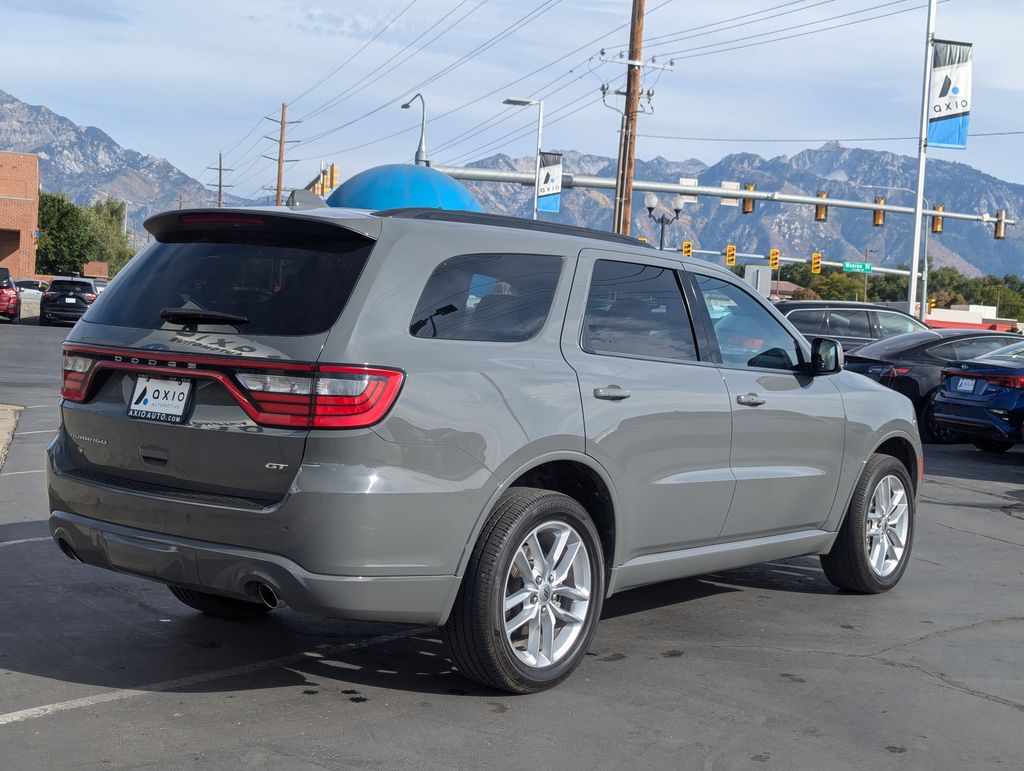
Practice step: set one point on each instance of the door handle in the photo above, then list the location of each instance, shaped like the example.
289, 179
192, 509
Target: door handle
612, 393
749, 400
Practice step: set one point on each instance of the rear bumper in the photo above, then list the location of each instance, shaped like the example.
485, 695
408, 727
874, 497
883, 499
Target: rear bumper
975, 421
235, 572
58, 313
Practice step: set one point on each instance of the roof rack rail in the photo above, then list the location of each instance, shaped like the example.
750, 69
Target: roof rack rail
499, 220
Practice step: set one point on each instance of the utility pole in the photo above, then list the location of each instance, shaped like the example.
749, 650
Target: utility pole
181, 199
627, 133
281, 142
280, 154
636, 44
220, 179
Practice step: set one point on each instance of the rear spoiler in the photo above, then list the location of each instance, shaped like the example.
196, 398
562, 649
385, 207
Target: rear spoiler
180, 225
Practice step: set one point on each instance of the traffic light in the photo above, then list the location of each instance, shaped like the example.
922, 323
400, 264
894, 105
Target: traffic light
821, 210
642, 239
333, 176
931, 304
1000, 231
730, 255
816, 262
878, 218
936, 220
687, 248
773, 259
748, 203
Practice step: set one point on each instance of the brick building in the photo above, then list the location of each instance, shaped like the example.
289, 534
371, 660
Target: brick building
19, 213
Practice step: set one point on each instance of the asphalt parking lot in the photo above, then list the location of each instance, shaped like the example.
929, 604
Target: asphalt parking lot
765, 667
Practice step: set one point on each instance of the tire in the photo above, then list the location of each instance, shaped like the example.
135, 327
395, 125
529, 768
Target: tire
16, 318
992, 445
853, 562
481, 639
43, 321
933, 432
221, 607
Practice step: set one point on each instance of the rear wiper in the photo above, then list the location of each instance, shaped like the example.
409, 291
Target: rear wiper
190, 317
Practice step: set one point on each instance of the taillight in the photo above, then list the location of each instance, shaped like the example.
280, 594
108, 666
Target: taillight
354, 397
897, 371
75, 380
335, 397
1006, 381
8, 293
48, 295
89, 297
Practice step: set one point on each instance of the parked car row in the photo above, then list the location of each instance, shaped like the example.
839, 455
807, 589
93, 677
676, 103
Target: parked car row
62, 300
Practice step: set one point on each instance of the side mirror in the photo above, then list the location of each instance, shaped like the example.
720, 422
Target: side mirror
826, 356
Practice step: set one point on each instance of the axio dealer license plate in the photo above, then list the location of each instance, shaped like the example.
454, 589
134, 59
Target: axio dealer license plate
965, 385
156, 399
69, 300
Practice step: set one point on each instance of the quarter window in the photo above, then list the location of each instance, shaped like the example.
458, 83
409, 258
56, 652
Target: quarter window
637, 310
747, 334
896, 324
810, 322
491, 297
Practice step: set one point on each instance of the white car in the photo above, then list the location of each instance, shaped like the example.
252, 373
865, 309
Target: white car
30, 289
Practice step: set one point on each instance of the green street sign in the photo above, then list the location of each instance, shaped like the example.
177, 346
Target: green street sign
857, 267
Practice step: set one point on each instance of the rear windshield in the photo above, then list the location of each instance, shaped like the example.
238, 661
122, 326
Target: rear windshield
70, 286
880, 349
281, 285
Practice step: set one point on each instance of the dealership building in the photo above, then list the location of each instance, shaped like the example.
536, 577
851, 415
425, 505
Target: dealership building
19, 213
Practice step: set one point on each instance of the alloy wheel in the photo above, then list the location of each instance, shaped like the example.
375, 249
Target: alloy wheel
886, 526
547, 594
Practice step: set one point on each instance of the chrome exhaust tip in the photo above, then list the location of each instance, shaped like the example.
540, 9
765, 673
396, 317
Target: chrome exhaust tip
267, 596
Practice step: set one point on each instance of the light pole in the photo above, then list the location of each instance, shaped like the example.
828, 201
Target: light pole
924, 263
421, 151
540, 128
651, 202
867, 257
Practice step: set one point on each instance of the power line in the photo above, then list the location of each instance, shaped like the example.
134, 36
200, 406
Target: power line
489, 94
352, 90
534, 14
380, 31
691, 55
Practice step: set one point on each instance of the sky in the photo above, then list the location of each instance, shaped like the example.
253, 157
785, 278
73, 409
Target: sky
188, 79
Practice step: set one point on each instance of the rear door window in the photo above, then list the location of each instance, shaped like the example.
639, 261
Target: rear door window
810, 322
282, 285
637, 310
846, 322
501, 298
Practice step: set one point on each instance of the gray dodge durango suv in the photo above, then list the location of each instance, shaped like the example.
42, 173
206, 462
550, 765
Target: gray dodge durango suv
457, 419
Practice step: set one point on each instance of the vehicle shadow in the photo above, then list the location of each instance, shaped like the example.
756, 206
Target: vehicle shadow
956, 464
77, 624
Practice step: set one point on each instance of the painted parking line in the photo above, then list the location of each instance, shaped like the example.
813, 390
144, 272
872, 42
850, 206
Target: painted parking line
25, 540
205, 677
44, 431
15, 473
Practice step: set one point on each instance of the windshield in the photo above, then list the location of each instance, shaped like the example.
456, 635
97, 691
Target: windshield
1013, 352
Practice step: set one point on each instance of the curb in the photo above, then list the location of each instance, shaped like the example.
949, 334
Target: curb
8, 421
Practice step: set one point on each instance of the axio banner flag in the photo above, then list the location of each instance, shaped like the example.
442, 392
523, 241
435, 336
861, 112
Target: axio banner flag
549, 192
950, 107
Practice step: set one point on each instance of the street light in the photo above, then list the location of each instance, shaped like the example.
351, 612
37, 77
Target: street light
651, 202
540, 127
421, 151
867, 258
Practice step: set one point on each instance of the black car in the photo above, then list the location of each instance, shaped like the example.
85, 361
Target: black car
853, 324
912, 364
66, 299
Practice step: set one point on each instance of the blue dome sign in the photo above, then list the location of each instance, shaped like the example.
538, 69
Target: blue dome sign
401, 185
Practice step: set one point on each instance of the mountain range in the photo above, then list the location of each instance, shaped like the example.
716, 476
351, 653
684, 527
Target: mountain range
87, 165
845, 173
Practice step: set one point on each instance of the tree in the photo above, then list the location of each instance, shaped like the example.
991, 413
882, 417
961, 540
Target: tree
106, 219
66, 238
